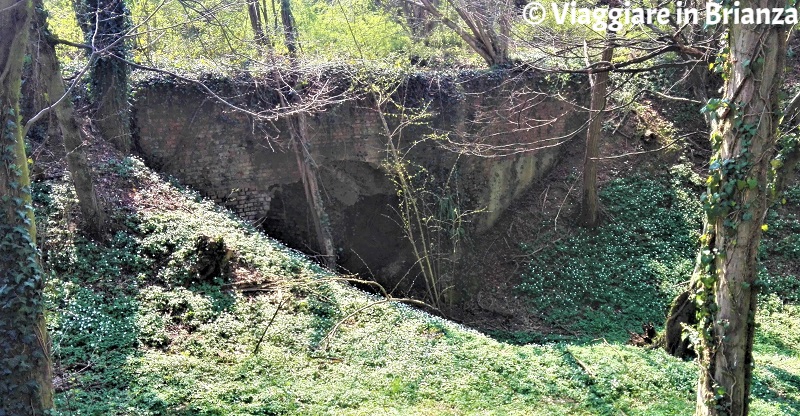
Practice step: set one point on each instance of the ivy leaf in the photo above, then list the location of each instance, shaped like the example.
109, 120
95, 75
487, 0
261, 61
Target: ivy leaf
752, 183
740, 184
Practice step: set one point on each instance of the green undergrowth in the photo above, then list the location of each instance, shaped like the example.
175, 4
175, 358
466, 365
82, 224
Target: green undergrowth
610, 280
780, 248
606, 281
189, 311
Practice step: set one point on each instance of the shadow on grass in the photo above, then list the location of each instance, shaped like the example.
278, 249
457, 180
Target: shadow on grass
783, 389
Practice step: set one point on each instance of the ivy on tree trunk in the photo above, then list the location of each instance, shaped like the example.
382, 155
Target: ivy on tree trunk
724, 286
25, 370
104, 24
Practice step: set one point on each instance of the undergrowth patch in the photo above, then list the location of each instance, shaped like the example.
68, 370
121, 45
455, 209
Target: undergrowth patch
141, 325
780, 248
603, 282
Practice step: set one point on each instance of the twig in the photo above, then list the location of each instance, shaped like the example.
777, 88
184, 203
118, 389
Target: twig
555, 222
582, 365
548, 244
271, 320
326, 339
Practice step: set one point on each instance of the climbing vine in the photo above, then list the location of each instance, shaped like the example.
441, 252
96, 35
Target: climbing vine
22, 337
105, 25
725, 287
729, 178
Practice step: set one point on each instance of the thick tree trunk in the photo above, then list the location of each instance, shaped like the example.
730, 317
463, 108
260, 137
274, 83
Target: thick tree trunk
736, 204
25, 371
93, 215
682, 312
104, 24
590, 203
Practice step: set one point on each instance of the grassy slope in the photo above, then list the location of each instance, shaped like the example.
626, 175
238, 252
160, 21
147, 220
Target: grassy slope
135, 332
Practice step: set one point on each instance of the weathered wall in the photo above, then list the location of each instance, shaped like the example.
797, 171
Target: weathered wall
246, 165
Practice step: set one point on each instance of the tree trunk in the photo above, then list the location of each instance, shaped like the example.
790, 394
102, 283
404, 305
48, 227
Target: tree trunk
289, 29
488, 29
419, 20
298, 130
724, 283
93, 215
589, 202
254, 12
104, 24
25, 372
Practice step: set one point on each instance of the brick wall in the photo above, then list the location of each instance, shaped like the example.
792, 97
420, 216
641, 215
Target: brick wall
247, 166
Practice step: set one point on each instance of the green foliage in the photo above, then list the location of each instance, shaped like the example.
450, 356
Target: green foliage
612, 279
130, 341
63, 23
211, 36
351, 29
196, 37
613, 378
122, 168
777, 350
780, 248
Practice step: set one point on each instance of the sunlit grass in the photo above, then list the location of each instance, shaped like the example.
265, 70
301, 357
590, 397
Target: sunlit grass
134, 334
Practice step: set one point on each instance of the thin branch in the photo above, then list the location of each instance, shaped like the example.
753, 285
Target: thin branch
47, 109
668, 145
271, 320
326, 339
792, 110
59, 41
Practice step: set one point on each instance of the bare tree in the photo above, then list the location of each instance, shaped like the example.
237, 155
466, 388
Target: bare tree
256, 14
413, 16
599, 85
56, 97
484, 25
289, 28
